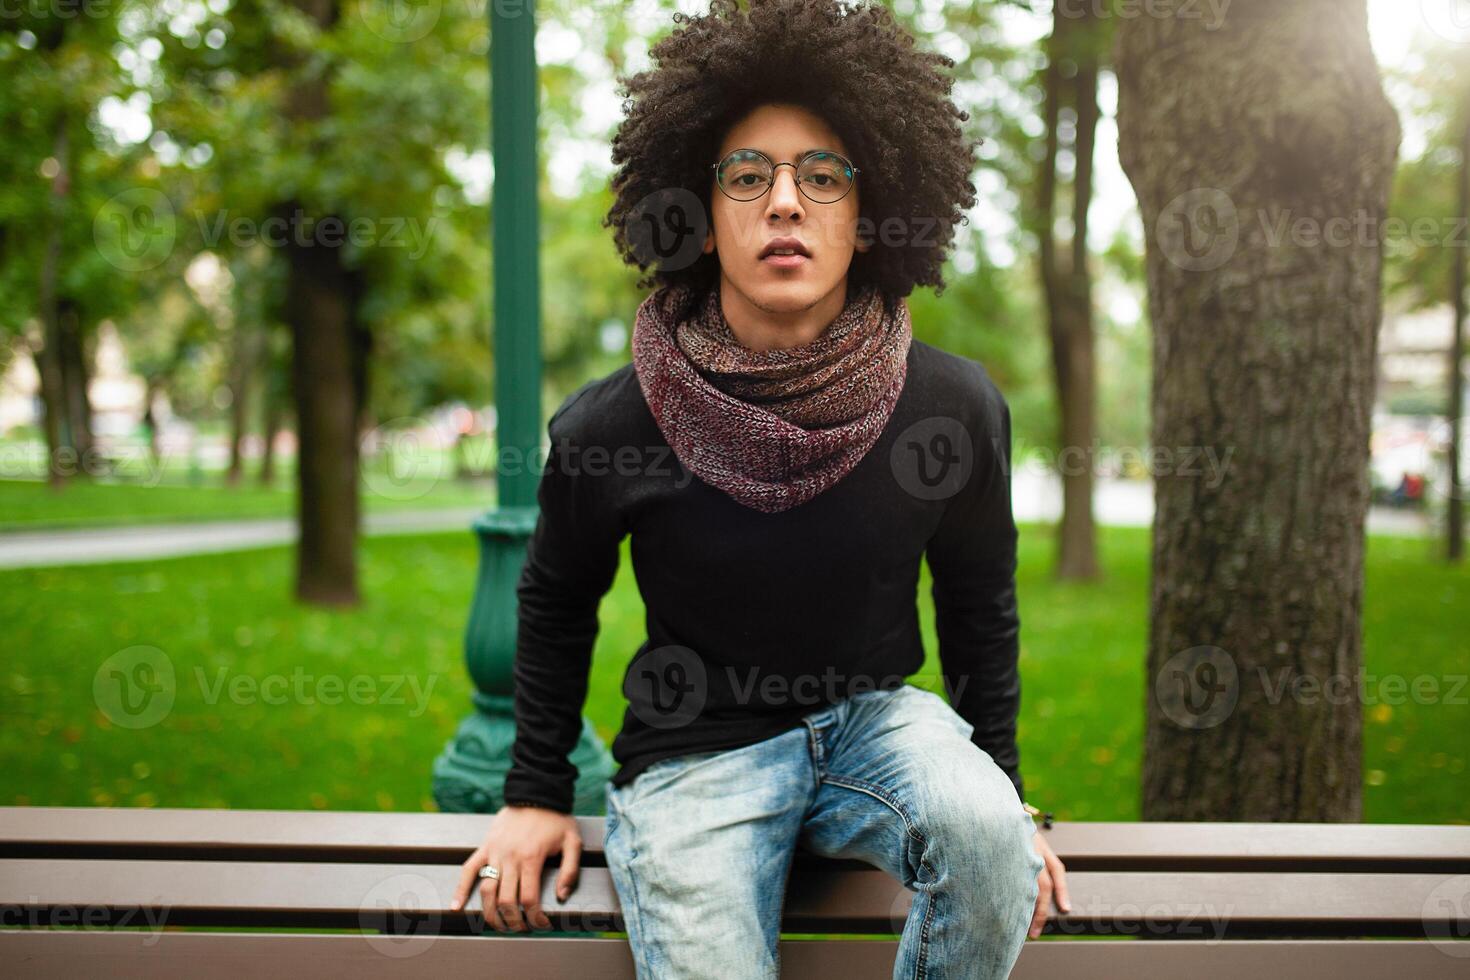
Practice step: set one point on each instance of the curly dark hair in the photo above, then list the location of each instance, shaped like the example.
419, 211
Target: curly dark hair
852, 65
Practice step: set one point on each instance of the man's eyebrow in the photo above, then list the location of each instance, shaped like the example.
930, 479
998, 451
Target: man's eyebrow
818, 149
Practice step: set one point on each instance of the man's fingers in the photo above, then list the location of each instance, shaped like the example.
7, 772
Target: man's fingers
1059, 879
510, 897
571, 861
1043, 902
489, 889
467, 873
531, 895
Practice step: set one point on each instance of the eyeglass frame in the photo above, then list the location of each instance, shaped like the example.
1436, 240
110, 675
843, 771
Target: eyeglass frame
784, 163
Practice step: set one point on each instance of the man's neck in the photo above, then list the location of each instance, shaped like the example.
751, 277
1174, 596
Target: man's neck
757, 328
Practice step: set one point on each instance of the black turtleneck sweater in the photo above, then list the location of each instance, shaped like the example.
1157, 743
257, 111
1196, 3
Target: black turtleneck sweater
755, 619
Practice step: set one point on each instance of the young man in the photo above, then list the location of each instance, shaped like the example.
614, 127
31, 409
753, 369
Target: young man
784, 455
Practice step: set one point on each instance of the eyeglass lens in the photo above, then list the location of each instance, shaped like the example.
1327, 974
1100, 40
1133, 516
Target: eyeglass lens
823, 177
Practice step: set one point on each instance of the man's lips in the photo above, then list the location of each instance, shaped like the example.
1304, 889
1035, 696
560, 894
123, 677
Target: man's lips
785, 261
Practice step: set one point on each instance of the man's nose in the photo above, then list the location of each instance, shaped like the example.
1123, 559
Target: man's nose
785, 198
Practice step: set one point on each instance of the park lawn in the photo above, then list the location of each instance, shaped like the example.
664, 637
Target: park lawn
30, 505
225, 620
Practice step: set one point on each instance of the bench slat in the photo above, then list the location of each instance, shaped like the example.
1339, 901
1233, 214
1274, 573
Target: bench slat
1200, 904
425, 838
267, 956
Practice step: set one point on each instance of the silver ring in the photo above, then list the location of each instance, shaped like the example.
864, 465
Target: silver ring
489, 872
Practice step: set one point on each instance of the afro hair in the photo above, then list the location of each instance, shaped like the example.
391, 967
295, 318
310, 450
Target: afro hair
853, 66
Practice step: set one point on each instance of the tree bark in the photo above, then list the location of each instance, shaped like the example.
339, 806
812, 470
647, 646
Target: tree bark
1070, 78
321, 310
321, 313
76, 378
48, 359
246, 354
1264, 345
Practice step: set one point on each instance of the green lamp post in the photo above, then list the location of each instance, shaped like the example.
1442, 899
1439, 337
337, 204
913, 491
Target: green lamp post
470, 772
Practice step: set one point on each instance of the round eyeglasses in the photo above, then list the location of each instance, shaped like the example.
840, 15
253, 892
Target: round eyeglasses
821, 175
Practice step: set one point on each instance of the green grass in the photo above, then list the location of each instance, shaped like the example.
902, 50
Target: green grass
27, 505
229, 616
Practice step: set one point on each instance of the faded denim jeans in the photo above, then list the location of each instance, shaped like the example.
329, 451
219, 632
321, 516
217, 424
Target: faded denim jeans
699, 846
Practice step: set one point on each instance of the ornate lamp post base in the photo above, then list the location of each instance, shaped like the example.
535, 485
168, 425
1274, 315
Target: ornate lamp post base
469, 774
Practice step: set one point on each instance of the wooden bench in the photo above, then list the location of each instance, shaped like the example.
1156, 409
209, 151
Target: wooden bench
1191, 900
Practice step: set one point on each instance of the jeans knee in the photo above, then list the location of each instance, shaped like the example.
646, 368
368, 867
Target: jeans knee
983, 844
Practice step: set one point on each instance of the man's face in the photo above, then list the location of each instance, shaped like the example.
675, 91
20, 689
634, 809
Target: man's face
741, 229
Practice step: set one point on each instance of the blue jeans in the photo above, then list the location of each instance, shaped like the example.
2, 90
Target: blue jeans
699, 846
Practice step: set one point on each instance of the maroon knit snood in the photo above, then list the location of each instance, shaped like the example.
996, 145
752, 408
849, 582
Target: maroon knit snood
770, 428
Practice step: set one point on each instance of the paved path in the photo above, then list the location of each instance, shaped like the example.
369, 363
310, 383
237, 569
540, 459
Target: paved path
1126, 503
87, 546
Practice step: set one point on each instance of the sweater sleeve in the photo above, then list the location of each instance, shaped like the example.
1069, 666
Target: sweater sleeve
972, 557
571, 560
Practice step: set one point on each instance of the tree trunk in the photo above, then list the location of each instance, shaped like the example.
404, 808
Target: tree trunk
1071, 79
75, 379
1262, 154
270, 428
59, 444
321, 310
242, 372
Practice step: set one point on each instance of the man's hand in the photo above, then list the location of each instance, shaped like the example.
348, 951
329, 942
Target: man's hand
1053, 878
519, 841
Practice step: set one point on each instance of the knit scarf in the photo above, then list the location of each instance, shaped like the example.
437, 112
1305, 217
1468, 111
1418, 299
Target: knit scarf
770, 428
